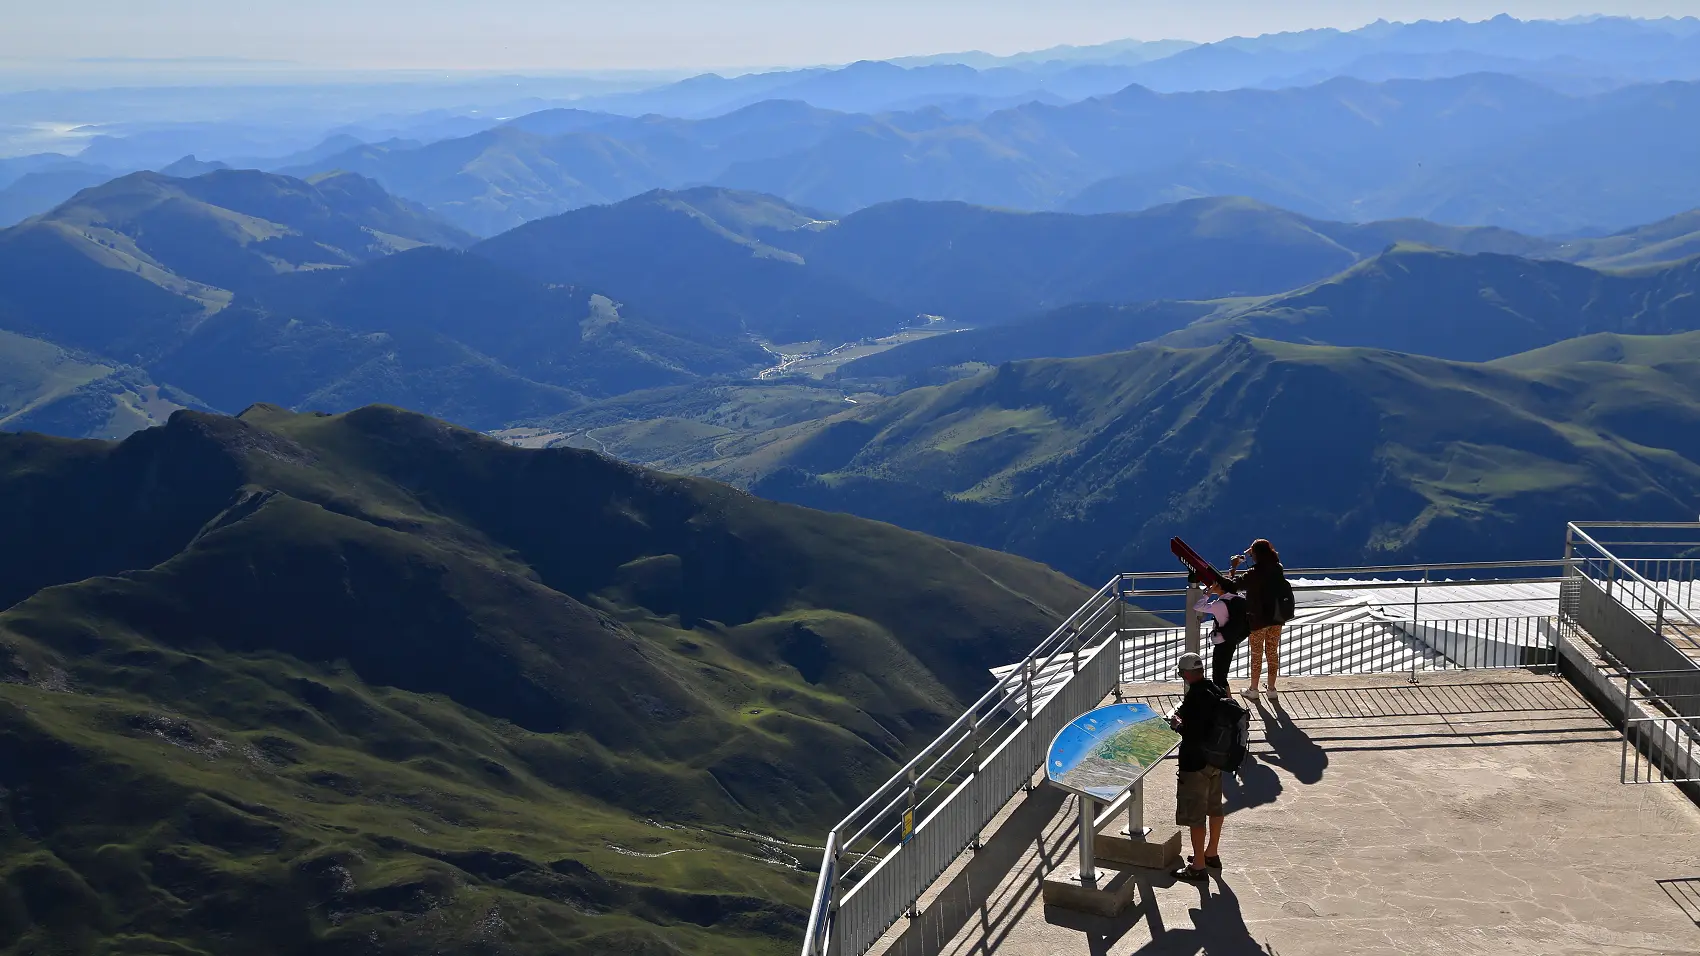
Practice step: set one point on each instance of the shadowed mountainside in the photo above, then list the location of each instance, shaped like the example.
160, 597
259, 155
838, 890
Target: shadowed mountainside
371, 683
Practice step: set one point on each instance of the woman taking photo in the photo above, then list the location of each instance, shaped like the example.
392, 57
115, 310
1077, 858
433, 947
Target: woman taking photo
1268, 604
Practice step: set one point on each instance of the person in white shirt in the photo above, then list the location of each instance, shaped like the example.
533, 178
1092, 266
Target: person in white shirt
1226, 610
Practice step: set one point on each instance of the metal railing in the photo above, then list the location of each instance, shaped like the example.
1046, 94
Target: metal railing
1661, 741
1631, 586
883, 856
1668, 551
1335, 634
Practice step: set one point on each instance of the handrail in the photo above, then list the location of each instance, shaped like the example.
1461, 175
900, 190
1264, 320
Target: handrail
935, 762
1636, 524
973, 708
1302, 585
814, 939
1667, 600
1383, 568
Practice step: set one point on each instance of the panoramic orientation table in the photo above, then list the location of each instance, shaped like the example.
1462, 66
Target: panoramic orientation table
1101, 754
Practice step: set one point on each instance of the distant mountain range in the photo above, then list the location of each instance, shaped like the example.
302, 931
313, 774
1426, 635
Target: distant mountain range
1481, 149
283, 666
234, 287
1499, 122
1583, 55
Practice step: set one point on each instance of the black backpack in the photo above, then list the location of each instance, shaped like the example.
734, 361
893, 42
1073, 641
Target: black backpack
1230, 734
1286, 606
1238, 627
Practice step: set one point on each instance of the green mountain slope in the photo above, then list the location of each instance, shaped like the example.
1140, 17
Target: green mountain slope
57, 284
1471, 308
448, 333
37, 192
547, 163
45, 388
669, 258
1666, 241
127, 268
369, 683
721, 255
1068, 332
230, 227
984, 265
1347, 455
1650, 350
1409, 299
253, 287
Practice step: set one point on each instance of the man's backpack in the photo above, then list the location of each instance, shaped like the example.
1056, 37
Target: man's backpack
1230, 734
1286, 606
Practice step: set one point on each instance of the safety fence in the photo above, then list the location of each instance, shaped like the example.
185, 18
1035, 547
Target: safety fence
1661, 744
1647, 568
1632, 589
885, 853
881, 857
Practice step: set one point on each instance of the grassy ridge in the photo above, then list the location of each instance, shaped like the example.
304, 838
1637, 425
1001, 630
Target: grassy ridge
1362, 455
371, 683
1409, 298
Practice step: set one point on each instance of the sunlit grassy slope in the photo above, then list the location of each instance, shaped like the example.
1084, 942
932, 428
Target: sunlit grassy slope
1091, 464
373, 684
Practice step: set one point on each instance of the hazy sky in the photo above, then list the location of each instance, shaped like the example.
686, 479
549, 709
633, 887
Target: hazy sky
646, 34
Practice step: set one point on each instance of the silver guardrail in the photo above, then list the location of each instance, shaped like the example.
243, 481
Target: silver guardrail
1661, 740
883, 856
1653, 578
889, 849
1420, 628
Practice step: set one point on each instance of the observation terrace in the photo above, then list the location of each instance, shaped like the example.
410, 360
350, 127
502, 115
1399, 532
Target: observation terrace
1494, 758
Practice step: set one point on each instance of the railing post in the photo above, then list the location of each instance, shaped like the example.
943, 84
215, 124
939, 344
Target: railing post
1122, 589
1031, 690
1416, 635
1659, 617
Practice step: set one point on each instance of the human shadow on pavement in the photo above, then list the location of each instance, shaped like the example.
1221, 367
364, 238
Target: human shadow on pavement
1253, 785
1290, 748
1218, 928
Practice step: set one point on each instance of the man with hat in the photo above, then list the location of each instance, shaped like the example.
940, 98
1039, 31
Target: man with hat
1198, 794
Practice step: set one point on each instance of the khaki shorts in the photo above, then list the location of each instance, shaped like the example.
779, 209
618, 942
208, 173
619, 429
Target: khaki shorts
1198, 796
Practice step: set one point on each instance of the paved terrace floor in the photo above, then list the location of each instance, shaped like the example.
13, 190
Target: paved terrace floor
1472, 813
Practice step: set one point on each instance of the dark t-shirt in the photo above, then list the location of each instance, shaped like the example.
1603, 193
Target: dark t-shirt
1197, 714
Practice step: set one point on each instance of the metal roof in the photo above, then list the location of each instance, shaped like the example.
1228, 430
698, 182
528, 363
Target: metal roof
1367, 626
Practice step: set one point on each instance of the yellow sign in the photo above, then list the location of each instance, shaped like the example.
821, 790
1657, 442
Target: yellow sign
908, 824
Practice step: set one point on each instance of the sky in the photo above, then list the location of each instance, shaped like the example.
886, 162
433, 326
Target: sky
677, 34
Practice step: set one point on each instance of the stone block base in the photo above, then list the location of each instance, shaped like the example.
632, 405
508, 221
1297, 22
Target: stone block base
1119, 851
1112, 893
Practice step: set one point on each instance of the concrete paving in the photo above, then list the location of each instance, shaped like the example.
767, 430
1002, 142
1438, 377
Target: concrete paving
1476, 812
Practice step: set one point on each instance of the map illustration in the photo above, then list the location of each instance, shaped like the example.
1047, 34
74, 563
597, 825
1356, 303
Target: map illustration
1105, 751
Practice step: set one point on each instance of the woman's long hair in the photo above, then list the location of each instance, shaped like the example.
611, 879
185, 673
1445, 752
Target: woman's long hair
1264, 553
